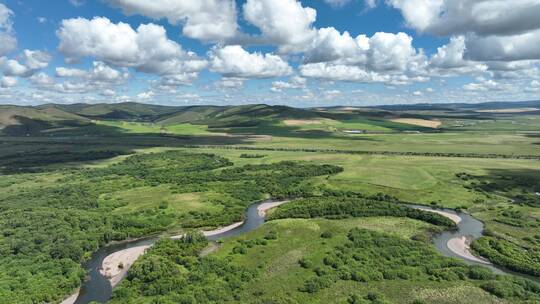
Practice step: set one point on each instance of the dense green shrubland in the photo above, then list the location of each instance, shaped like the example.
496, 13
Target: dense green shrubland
342, 206
48, 229
245, 155
39, 160
370, 256
509, 255
173, 272
519, 185
513, 240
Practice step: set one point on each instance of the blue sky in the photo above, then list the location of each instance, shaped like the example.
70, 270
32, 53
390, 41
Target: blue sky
298, 53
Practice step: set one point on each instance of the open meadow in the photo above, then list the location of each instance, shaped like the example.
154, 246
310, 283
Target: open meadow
75, 180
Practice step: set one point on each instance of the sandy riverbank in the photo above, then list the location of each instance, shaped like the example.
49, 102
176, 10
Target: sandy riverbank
110, 266
222, 230
462, 247
72, 298
453, 217
263, 208
116, 265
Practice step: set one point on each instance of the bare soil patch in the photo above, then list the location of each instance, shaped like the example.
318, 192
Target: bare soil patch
434, 124
509, 111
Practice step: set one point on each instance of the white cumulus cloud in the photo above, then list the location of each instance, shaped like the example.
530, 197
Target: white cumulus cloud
285, 23
506, 48
30, 62
146, 49
100, 73
494, 30
295, 82
7, 82
483, 17
234, 61
209, 20
8, 42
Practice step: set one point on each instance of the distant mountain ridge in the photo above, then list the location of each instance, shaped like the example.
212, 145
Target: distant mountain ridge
17, 120
471, 106
30, 120
169, 115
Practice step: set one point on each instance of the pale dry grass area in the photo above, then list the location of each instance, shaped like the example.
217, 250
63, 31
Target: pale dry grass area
434, 124
509, 111
302, 122
455, 295
6, 118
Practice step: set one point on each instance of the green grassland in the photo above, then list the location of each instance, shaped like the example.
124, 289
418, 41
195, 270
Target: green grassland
142, 198
435, 180
69, 184
448, 142
410, 178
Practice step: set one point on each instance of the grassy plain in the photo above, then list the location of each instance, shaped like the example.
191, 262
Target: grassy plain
42, 156
448, 142
416, 179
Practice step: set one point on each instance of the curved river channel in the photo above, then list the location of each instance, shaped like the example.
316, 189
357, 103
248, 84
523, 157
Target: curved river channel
98, 288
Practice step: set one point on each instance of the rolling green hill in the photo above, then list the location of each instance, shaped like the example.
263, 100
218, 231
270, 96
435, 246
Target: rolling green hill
264, 119
18, 120
122, 111
236, 115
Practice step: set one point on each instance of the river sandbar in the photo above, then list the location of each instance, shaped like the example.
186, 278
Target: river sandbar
461, 246
116, 265
264, 207
110, 265
453, 217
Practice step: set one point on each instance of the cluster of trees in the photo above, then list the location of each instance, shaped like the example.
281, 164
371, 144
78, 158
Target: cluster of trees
38, 161
370, 256
517, 218
353, 206
244, 155
312, 150
244, 245
533, 239
370, 298
519, 185
508, 254
164, 166
511, 288
48, 229
173, 272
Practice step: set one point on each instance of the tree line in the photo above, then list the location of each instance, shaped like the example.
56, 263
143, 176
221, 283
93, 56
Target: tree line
343, 206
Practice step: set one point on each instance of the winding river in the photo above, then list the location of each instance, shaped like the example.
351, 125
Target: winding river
453, 243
